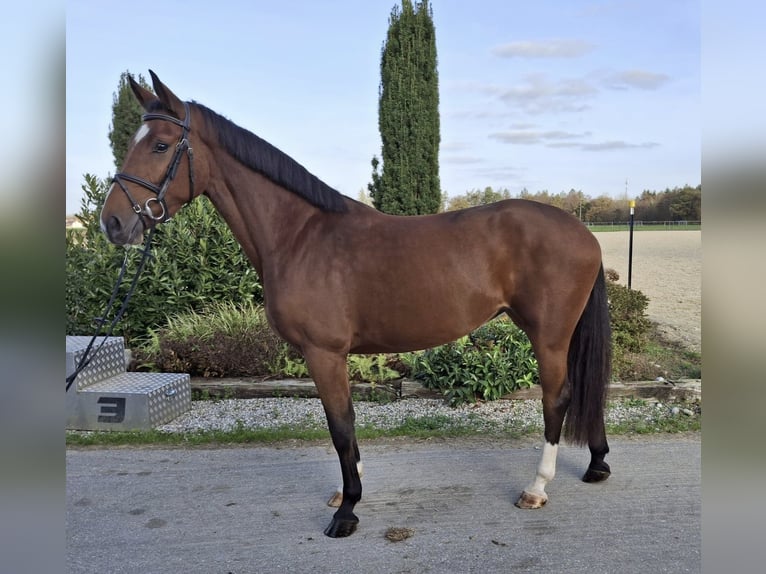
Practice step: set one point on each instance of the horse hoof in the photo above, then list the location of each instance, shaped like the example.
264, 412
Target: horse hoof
340, 528
529, 501
592, 475
335, 500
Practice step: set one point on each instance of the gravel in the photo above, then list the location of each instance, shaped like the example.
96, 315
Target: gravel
504, 415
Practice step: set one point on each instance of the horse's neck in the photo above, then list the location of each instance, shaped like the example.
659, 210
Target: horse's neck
263, 217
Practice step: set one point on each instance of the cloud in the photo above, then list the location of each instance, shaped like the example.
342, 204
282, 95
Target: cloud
530, 137
639, 79
453, 146
560, 139
536, 94
551, 48
616, 145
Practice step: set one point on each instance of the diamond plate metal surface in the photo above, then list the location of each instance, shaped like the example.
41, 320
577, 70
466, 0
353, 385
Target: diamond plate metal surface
107, 362
108, 398
146, 400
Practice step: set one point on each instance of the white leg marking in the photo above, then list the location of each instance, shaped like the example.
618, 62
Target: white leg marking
546, 470
140, 134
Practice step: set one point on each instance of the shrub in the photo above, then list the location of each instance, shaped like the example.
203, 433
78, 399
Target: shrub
494, 360
195, 261
223, 340
627, 313
226, 340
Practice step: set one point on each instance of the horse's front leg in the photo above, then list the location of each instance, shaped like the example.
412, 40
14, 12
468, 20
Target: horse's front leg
337, 498
331, 378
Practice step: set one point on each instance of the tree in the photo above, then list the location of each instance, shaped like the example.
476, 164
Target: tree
408, 115
126, 117
476, 197
686, 204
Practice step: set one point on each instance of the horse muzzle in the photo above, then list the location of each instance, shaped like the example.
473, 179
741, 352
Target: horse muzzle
127, 230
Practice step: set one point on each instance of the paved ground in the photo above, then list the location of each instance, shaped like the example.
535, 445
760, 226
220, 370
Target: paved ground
261, 509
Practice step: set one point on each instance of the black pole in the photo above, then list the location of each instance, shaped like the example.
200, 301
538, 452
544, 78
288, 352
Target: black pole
630, 248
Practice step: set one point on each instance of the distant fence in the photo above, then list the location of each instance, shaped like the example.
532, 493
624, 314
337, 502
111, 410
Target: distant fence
643, 225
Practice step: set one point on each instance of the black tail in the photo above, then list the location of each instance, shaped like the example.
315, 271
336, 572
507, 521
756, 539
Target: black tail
589, 366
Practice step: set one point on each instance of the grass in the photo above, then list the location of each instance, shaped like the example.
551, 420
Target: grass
661, 358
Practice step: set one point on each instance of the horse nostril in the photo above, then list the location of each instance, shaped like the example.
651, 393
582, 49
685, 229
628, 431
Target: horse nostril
113, 225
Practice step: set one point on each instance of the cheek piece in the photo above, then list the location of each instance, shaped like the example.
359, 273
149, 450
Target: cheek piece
160, 191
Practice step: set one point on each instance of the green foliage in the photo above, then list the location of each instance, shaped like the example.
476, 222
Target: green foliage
498, 358
408, 115
371, 369
126, 117
196, 261
291, 364
631, 355
627, 312
493, 361
228, 340
677, 204
223, 340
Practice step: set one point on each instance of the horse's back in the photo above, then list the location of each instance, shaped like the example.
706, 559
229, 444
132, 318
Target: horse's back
401, 283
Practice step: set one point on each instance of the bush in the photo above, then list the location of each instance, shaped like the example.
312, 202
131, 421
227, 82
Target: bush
627, 313
494, 360
226, 340
196, 260
223, 340
498, 358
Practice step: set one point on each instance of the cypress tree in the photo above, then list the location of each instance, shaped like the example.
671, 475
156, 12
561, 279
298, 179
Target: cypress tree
126, 117
408, 115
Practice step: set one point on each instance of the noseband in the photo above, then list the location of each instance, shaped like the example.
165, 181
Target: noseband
160, 191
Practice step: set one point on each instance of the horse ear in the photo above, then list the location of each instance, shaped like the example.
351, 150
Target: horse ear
172, 102
143, 95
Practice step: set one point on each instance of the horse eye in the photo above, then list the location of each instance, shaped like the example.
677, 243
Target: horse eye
160, 147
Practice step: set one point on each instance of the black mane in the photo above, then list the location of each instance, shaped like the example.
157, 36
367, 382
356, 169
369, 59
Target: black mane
261, 156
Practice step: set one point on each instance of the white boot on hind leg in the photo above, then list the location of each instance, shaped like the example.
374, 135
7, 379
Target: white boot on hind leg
534, 495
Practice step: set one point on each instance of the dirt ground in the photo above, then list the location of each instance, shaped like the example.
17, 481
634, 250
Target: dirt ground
667, 268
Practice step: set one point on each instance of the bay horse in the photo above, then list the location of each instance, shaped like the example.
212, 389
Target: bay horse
340, 277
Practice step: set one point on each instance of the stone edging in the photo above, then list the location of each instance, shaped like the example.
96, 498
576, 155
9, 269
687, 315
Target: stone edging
245, 388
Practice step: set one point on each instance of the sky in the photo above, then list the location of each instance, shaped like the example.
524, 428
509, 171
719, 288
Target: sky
597, 96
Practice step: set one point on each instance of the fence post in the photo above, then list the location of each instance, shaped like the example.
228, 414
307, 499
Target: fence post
630, 248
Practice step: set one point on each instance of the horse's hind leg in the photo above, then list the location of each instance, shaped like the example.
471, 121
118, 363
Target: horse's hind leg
330, 376
598, 469
553, 369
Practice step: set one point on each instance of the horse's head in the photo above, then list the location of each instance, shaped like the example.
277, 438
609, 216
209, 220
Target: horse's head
158, 174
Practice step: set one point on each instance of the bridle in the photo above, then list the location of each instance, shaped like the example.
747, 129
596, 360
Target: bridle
160, 191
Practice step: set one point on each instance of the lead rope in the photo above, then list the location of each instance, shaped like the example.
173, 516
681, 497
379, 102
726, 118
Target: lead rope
88, 356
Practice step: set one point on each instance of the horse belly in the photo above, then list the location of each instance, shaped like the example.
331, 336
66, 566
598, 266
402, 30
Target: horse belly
411, 320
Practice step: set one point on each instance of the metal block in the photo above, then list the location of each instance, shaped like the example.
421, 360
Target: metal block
129, 401
107, 362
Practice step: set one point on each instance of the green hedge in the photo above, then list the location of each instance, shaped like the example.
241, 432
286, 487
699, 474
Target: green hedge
498, 358
196, 260
494, 360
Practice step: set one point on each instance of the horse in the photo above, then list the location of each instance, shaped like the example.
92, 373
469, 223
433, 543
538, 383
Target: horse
340, 277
